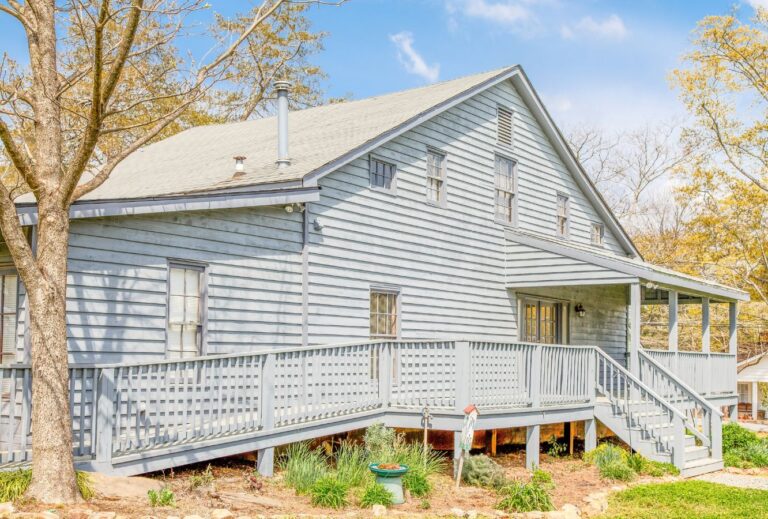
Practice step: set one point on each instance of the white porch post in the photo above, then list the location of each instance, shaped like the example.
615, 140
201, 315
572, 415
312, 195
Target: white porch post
705, 333
635, 295
733, 315
674, 326
755, 400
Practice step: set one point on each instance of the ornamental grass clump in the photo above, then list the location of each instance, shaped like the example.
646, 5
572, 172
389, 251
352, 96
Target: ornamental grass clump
352, 465
375, 494
302, 466
14, 483
329, 492
525, 497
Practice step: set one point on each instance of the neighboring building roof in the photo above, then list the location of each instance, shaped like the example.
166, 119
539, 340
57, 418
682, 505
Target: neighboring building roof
322, 139
630, 266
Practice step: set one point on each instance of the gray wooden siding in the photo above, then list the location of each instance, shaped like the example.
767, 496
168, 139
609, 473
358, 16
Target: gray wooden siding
7, 262
605, 323
528, 266
116, 295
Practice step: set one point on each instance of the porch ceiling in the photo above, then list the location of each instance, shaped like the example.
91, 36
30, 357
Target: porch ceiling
535, 261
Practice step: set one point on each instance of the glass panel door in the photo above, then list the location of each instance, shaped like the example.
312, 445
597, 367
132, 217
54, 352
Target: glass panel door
542, 322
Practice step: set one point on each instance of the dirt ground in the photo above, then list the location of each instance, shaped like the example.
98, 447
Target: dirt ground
234, 488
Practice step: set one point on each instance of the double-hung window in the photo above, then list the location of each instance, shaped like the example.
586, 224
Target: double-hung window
436, 177
382, 174
506, 190
9, 301
384, 320
186, 306
563, 215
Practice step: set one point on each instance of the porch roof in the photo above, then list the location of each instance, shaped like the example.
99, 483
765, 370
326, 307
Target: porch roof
567, 264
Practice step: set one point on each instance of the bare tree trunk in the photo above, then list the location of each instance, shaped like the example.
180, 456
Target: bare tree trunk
53, 473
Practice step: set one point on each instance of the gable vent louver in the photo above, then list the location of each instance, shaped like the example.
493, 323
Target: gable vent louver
504, 125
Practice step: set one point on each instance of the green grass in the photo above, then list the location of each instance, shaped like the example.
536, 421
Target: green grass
687, 500
525, 497
302, 466
743, 448
165, 497
13, 484
375, 494
329, 492
352, 465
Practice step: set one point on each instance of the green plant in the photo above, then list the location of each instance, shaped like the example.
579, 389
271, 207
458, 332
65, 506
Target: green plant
203, 479
13, 484
646, 467
737, 437
617, 471
425, 505
556, 449
637, 462
381, 443
351, 464
415, 480
605, 454
542, 478
163, 498
482, 471
414, 455
375, 494
302, 466
329, 492
743, 448
522, 497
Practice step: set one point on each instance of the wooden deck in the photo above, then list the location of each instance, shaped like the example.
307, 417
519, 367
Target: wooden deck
149, 416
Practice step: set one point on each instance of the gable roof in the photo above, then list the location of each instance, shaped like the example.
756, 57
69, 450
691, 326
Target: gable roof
322, 139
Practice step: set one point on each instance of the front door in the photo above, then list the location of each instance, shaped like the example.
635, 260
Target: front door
542, 321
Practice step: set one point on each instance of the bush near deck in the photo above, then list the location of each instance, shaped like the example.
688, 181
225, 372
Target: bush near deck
742, 448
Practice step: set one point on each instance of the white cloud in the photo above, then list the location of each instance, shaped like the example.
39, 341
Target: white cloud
413, 61
758, 4
611, 28
512, 14
557, 103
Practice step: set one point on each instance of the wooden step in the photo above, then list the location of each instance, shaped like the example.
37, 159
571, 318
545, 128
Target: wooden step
696, 453
701, 466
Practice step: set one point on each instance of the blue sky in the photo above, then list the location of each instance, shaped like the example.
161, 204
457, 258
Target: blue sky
596, 62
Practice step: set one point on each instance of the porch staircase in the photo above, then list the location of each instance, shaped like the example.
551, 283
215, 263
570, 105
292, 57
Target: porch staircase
659, 416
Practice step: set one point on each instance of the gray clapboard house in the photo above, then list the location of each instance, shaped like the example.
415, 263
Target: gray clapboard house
236, 287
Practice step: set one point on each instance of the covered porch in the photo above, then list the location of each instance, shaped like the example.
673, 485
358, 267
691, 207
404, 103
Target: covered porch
642, 315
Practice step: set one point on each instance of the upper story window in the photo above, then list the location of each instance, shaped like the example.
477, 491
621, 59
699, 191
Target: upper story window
436, 166
382, 174
563, 215
504, 125
506, 190
186, 304
384, 314
9, 305
598, 234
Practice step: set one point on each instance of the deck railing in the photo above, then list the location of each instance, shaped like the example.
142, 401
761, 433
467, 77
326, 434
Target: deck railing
709, 374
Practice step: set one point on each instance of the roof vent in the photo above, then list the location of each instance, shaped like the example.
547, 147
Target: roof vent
239, 166
282, 123
504, 125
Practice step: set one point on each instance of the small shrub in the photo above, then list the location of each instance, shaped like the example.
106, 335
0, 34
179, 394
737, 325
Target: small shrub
13, 484
482, 471
381, 443
302, 466
163, 498
605, 454
85, 485
351, 464
737, 437
375, 494
425, 505
203, 479
617, 471
522, 497
743, 448
556, 449
416, 482
329, 492
637, 463
542, 478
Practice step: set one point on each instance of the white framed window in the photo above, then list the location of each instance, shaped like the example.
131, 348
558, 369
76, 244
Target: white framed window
506, 190
598, 234
9, 307
186, 310
384, 313
436, 173
504, 120
382, 174
563, 215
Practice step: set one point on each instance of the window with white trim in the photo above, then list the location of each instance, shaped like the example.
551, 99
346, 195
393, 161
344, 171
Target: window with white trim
382, 174
504, 125
506, 190
563, 215
436, 166
384, 319
186, 304
9, 306
598, 234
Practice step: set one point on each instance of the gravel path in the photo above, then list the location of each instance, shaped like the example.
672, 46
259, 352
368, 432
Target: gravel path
736, 480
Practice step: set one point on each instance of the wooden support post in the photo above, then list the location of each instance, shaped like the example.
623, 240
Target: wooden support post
571, 436
456, 452
105, 417
532, 446
755, 400
733, 316
674, 326
493, 442
733, 412
706, 340
266, 457
635, 296
590, 435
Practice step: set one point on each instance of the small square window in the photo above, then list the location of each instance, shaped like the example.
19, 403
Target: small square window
382, 174
598, 234
436, 177
563, 215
